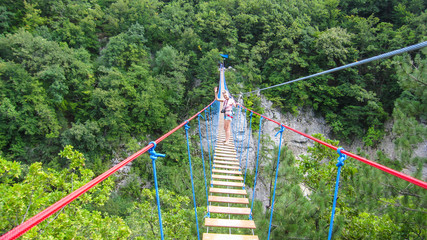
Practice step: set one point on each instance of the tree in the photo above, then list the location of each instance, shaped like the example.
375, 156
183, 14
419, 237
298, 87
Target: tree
25, 194
411, 107
333, 44
143, 219
27, 116
170, 67
126, 49
45, 85
5, 19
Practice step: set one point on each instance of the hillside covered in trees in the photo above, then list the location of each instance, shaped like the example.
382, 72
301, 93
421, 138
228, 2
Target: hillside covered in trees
87, 81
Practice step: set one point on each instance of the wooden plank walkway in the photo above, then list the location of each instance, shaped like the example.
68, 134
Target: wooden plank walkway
227, 188
227, 196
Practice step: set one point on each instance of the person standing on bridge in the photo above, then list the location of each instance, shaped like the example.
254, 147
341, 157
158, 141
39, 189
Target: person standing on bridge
229, 103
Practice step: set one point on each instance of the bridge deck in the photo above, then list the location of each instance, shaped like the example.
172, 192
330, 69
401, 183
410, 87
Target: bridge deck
228, 202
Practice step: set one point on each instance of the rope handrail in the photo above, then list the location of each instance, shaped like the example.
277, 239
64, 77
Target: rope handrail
41, 216
357, 157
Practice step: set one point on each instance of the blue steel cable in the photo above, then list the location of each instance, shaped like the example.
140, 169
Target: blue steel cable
340, 163
207, 140
247, 156
203, 161
243, 139
192, 182
378, 57
256, 171
154, 156
275, 179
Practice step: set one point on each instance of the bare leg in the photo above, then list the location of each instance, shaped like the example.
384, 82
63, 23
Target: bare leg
227, 130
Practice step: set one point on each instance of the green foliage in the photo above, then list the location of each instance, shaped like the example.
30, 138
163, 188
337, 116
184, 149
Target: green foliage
9, 171
372, 137
319, 165
387, 208
144, 222
181, 41
125, 49
39, 188
333, 44
108, 76
410, 108
367, 225
253, 102
5, 19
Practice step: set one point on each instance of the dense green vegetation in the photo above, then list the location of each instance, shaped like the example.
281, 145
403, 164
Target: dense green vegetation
384, 208
107, 77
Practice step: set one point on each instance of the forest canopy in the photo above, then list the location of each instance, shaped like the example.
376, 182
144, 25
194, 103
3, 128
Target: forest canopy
107, 76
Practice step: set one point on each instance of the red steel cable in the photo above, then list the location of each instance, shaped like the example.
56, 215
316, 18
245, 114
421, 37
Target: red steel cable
41, 216
357, 157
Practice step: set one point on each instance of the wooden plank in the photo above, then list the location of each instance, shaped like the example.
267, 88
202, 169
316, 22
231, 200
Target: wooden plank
228, 184
237, 178
228, 191
215, 236
228, 162
226, 146
221, 139
227, 159
223, 149
226, 154
228, 199
222, 143
230, 210
229, 223
226, 166
226, 171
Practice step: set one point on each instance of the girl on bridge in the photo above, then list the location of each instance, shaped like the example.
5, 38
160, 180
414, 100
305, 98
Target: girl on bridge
229, 103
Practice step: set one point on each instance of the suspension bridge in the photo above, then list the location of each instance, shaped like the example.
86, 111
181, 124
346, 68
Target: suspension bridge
225, 173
